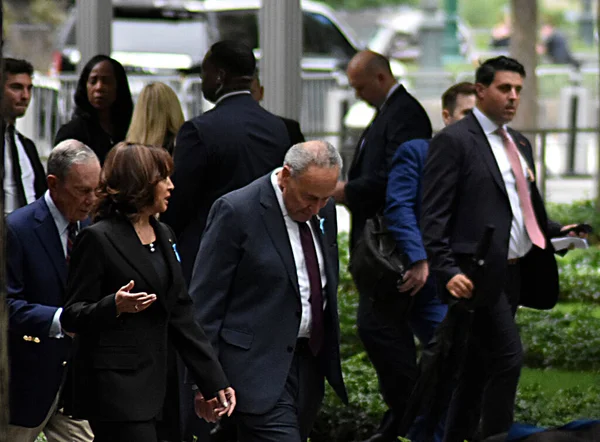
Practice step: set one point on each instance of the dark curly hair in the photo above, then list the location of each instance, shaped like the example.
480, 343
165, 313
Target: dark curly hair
129, 177
120, 111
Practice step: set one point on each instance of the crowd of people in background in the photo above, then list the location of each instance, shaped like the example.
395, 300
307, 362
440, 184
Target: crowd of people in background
171, 279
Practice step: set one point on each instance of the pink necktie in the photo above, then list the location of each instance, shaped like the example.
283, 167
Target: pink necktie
531, 224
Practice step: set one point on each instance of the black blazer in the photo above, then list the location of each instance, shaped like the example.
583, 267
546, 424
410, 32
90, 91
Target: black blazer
402, 118
39, 185
120, 363
87, 130
294, 132
246, 295
463, 192
222, 150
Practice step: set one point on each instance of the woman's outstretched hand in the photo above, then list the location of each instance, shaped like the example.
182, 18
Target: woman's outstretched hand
128, 302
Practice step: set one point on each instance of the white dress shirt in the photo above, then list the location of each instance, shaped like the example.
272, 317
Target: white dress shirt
519, 243
27, 175
302, 272
62, 225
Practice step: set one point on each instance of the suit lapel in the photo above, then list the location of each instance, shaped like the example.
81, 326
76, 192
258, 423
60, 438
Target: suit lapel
276, 228
125, 240
166, 244
50, 239
484, 147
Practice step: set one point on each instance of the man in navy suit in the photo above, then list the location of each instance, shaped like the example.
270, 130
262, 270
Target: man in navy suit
39, 238
402, 214
265, 291
399, 118
223, 149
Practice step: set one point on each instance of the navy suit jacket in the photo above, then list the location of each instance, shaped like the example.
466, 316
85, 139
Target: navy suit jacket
36, 275
246, 294
403, 199
463, 192
401, 118
219, 151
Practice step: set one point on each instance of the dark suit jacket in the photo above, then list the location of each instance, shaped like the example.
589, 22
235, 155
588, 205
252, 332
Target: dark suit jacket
463, 192
294, 132
39, 185
401, 118
120, 363
222, 150
36, 280
246, 295
87, 130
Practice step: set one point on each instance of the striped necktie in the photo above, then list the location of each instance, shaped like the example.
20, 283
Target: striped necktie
71, 234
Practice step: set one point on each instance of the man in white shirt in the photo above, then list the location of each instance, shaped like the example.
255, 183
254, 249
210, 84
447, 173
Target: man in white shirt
23, 179
265, 291
480, 173
40, 237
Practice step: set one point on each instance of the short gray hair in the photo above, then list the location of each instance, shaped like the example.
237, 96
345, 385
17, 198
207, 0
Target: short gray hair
65, 154
317, 153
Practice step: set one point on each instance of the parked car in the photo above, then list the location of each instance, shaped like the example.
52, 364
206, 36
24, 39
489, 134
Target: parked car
163, 37
146, 39
397, 36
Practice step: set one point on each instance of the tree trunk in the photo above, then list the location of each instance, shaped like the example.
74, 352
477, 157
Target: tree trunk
3, 310
523, 47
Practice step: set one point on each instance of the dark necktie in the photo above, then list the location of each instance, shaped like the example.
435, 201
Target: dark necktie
16, 167
316, 292
71, 234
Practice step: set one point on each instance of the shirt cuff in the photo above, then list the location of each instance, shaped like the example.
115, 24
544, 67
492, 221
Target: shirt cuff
55, 328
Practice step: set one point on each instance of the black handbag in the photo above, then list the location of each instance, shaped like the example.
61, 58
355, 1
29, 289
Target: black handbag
376, 266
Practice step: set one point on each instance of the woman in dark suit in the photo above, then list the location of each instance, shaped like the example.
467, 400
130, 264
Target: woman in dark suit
103, 107
129, 308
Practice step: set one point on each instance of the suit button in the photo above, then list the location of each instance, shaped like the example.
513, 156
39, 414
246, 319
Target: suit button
64, 364
290, 349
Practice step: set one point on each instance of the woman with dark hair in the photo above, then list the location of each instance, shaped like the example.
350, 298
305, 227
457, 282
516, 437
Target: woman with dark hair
103, 107
129, 309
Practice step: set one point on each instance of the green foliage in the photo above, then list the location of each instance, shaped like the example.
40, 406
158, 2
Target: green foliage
576, 213
482, 13
580, 275
538, 407
554, 339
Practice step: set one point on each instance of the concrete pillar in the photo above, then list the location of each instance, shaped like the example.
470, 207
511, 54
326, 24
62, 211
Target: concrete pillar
94, 29
281, 54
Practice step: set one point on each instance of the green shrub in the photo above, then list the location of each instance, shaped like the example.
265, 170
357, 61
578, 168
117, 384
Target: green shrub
536, 407
554, 339
576, 213
580, 275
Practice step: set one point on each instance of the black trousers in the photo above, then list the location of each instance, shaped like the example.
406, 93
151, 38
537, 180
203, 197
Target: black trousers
483, 402
293, 416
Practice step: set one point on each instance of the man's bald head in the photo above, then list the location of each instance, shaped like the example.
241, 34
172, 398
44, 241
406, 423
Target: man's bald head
370, 75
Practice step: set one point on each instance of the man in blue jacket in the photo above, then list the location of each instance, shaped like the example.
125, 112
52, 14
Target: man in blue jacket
402, 213
39, 240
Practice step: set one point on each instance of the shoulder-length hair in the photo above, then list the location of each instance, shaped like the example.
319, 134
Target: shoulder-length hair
129, 176
157, 117
121, 109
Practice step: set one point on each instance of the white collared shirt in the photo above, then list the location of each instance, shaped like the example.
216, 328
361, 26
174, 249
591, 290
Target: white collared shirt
302, 272
231, 94
519, 243
27, 175
62, 225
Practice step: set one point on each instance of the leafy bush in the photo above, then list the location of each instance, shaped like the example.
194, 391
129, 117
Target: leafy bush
576, 213
552, 339
536, 407
580, 275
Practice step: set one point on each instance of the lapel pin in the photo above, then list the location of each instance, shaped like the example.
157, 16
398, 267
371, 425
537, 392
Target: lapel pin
321, 224
530, 175
175, 250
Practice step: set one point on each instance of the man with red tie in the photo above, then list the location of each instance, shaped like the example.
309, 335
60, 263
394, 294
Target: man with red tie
264, 287
479, 173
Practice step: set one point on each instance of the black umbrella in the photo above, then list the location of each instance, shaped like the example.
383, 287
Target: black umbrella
442, 359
